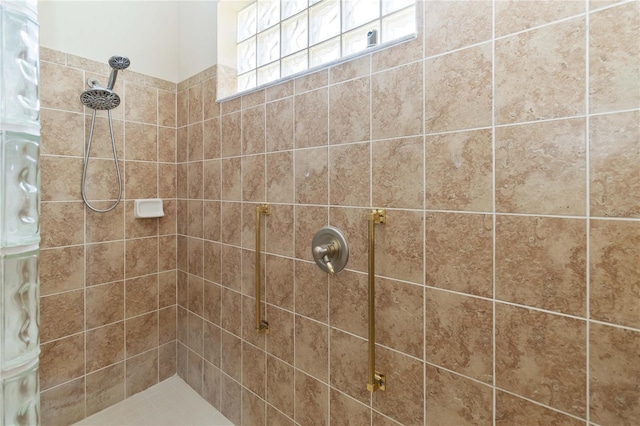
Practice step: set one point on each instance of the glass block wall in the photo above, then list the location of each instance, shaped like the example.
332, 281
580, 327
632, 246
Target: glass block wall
19, 213
278, 38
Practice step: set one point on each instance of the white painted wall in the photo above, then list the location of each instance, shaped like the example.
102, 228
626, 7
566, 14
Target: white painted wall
171, 40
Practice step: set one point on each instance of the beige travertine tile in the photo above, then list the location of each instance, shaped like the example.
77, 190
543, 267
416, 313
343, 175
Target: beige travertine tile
61, 133
253, 408
167, 180
249, 334
141, 295
358, 67
279, 125
280, 385
140, 180
141, 334
406, 375
309, 280
167, 289
541, 262
63, 404
141, 257
614, 75
513, 410
209, 94
397, 103
167, 325
281, 338
211, 343
348, 365
279, 281
61, 361
195, 185
344, 410
195, 341
513, 16
231, 353
397, 169
232, 105
52, 55
530, 161
231, 132
540, 74
195, 286
61, 269
614, 260
349, 174
352, 222
453, 399
231, 305
458, 334
194, 371
107, 226
212, 220
231, 179
105, 346
90, 65
613, 368
595, 4
280, 177
252, 99
542, 357
182, 181
141, 372
61, 315
459, 252
312, 400
311, 176
253, 178
279, 91
211, 138
311, 81
253, 130
399, 324
167, 253
195, 137
231, 233
104, 304
212, 256
60, 177
141, 103
458, 171
138, 228
101, 145
458, 90
312, 347
211, 385
400, 247
349, 111
182, 144
168, 223
279, 230
311, 118
166, 108
196, 105
181, 359
212, 170
105, 388
104, 262
308, 219
61, 224
230, 260
196, 256
230, 399
254, 369
276, 418
451, 25
195, 225
614, 143
211, 302
141, 141
102, 182
60, 87
167, 361
348, 294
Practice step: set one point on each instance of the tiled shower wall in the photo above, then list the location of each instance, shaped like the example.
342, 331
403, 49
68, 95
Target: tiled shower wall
504, 144
108, 280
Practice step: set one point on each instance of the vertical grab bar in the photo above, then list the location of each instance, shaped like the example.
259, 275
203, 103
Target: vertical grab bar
262, 326
376, 380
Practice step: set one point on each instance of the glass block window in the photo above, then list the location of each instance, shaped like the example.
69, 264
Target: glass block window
278, 38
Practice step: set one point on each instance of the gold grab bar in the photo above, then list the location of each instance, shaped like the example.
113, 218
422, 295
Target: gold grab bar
261, 325
376, 380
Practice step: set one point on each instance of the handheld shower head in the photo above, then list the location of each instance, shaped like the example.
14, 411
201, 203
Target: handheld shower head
116, 63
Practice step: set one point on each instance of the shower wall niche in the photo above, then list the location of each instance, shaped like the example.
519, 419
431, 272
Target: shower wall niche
19, 213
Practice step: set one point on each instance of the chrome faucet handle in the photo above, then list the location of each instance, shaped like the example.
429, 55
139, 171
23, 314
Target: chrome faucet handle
329, 249
322, 253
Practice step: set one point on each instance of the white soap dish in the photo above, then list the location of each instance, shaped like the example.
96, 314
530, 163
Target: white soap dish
150, 207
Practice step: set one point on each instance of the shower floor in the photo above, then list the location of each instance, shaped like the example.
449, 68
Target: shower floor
171, 403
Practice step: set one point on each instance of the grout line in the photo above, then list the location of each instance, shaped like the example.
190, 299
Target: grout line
588, 215
493, 218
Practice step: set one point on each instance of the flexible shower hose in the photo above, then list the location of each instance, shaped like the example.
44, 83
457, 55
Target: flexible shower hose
86, 163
